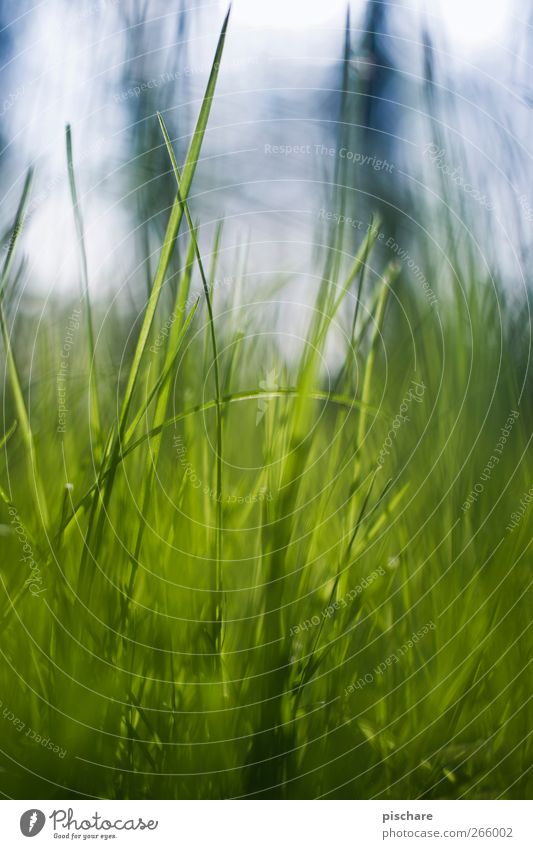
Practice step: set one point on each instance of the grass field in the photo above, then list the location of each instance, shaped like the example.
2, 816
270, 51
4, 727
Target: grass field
236, 564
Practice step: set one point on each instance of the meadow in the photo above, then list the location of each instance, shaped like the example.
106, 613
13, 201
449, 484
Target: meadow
245, 561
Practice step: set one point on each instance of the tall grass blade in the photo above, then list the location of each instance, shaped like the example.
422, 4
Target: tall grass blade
205, 284
8, 434
96, 419
161, 391
171, 234
20, 405
391, 272
173, 226
163, 378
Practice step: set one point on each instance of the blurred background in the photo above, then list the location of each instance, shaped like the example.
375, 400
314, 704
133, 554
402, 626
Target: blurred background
418, 108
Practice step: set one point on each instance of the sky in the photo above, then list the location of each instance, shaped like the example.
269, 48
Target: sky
65, 61
471, 24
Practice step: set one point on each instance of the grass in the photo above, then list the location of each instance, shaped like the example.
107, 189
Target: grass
261, 587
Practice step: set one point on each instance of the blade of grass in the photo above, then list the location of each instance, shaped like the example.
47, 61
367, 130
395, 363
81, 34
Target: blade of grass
218, 540
96, 419
8, 434
389, 276
162, 391
173, 226
215, 254
319, 334
171, 234
163, 377
16, 231
20, 406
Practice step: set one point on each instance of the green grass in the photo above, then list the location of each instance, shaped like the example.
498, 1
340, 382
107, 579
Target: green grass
225, 562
